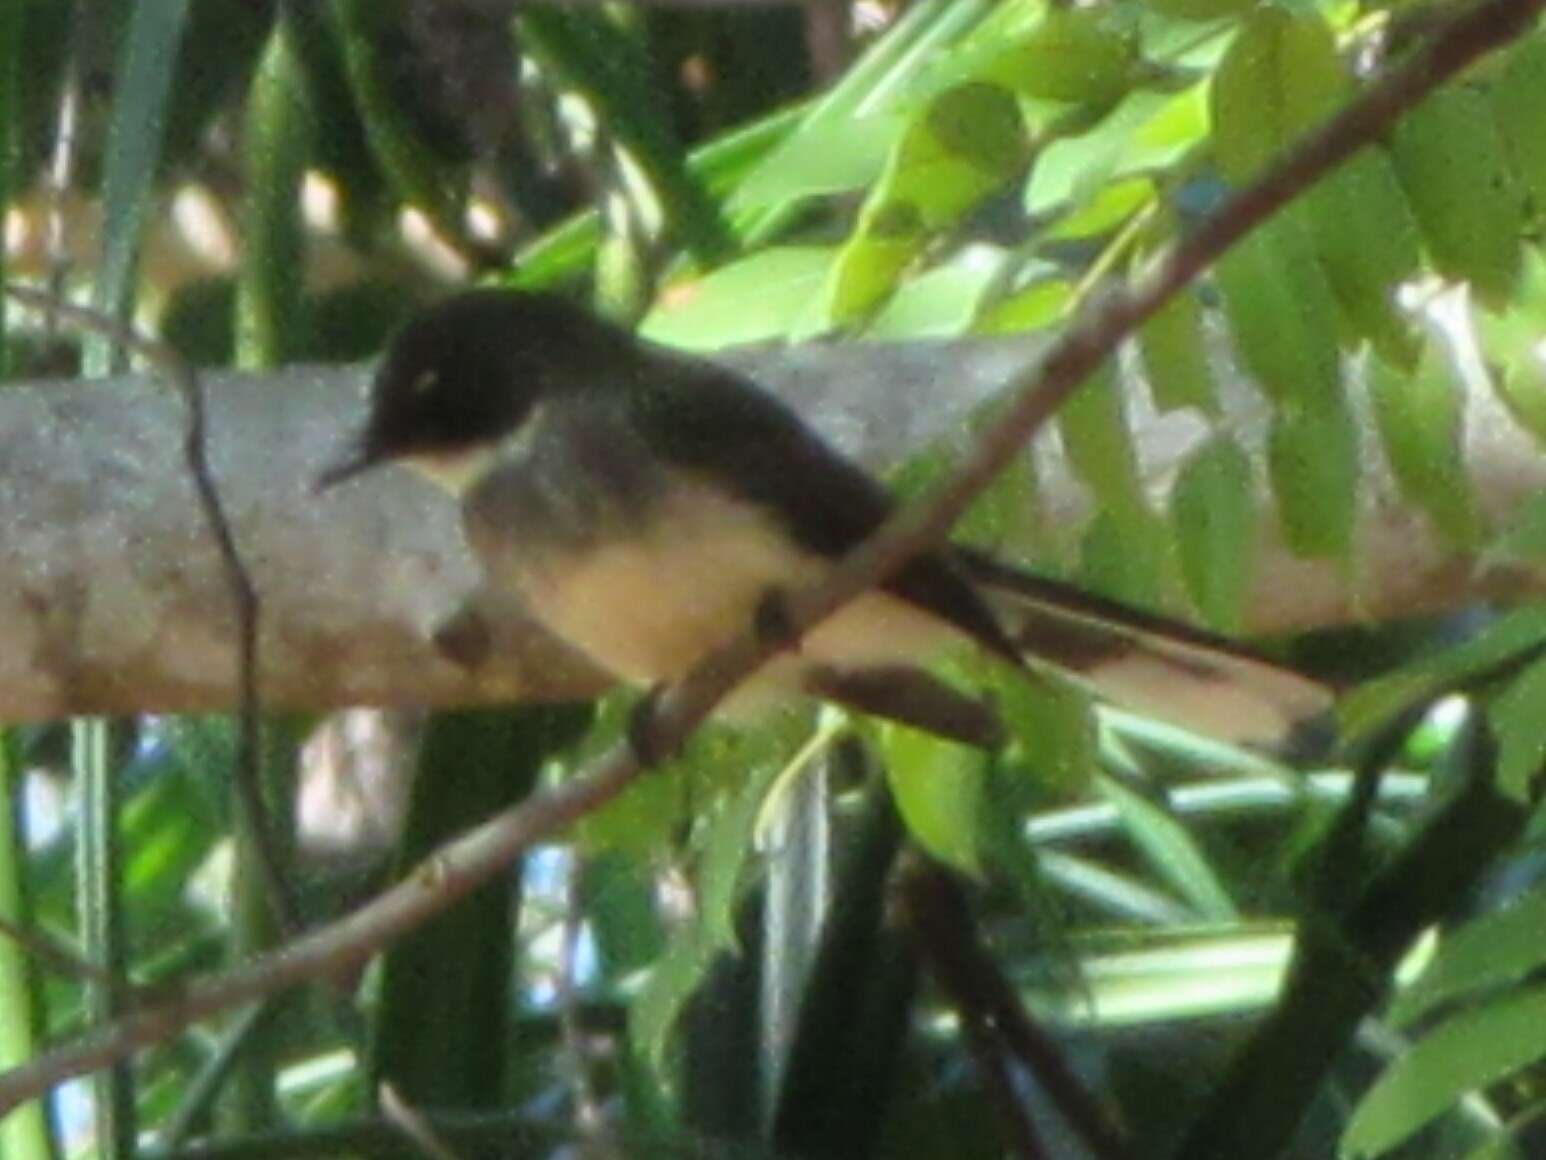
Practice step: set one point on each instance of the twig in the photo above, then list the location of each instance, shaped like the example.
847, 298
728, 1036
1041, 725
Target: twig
466, 862
984, 997
987, 1051
201, 1090
238, 580
413, 1124
55, 955
589, 1118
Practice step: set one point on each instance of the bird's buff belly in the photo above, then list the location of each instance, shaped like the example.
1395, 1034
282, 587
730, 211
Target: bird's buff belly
651, 604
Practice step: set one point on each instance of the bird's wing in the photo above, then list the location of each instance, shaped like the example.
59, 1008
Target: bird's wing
713, 423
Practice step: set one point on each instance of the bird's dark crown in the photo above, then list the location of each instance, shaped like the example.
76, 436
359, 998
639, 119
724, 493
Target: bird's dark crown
470, 369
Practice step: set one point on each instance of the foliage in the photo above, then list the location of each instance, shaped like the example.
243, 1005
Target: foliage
648, 983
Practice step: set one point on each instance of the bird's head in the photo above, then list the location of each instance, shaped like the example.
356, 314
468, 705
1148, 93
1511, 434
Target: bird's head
468, 373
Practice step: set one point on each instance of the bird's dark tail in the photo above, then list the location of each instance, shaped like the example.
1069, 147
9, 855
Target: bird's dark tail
1158, 666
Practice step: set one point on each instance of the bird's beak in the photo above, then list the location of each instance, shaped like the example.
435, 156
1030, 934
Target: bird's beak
352, 464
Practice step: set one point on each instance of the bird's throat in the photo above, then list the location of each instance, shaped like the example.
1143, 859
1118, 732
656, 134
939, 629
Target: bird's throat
453, 471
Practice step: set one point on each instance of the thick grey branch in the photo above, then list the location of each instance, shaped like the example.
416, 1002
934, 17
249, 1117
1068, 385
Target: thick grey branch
116, 601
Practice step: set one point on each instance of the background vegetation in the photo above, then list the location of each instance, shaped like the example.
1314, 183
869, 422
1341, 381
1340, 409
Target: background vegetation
755, 952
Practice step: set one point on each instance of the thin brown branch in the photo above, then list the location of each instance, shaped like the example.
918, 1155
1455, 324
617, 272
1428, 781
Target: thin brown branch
413, 1124
983, 997
466, 862
238, 580
992, 1061
55, 955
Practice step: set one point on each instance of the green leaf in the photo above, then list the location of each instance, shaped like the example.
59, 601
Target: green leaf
564, 252
1449, 154
728, 845
420, 171
820, 158
964, 145
276, 143
11, 121
1283, 318
1312, 459
431, 1031
134, 139
1175, 355
1213, 509
754, 299
942, 302
1074, 55
1366, 238
1171, 850
1035, 307
1128, 557
1523, 538
1496, 948
1518, 97
843, 140
938, 786
1420, 418
1282, 315
1093, 424
1521, 384
1146, 133
1280, 78
24, 1134
659, 1003
1511, 635
1104, 212
1051, 722
1472, 1050
1521, 728
1199, 9
609, 68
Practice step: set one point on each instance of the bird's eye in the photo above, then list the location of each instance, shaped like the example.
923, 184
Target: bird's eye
425, 382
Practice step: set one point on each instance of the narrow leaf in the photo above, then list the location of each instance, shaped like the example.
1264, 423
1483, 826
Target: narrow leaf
938, 786
1213, 509
1281, 312
1449, 154
1312, 458
1519, 104
1476, 1048
1093, 424
1199, 9
1498, 947
1521, 728
1420, 417
754, 299
964, 145
1171, 850
1073, 55
1175, 355
1280, 78
1366, 238
134, 140
1511, 635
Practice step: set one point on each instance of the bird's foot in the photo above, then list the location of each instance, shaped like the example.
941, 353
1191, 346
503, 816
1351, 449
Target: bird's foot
773, 622
643, 726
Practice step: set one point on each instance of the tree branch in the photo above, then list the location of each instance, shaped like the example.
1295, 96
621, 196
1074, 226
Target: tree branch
117, 604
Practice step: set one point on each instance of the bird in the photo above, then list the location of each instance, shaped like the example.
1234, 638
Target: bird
646, 505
